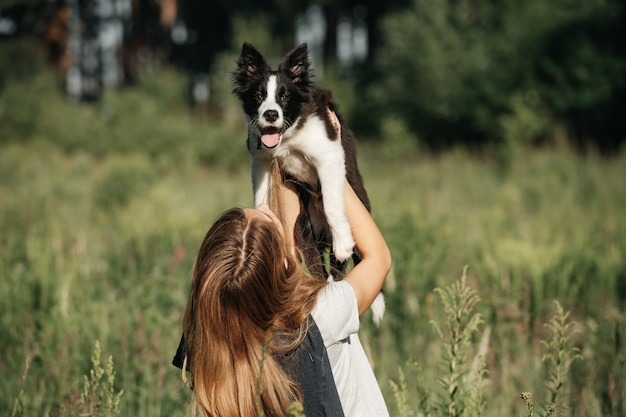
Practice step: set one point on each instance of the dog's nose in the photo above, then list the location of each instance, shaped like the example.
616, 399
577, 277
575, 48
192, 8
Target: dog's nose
271, 115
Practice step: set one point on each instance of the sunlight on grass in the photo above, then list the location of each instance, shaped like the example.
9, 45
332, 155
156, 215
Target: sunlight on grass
98, 244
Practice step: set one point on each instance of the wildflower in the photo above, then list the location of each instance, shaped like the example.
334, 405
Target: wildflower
527, 397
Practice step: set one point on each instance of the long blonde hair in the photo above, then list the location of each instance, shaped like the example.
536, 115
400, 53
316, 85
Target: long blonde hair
247, 290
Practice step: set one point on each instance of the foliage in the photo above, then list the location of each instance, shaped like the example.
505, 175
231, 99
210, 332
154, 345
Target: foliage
99, 239
398, 141
25, 64
18, 406
99, 397
461, 377
100, 400
168, 133
523, 124
411, 389
462, 380
529, 247
463, 72
529, 403
559, 356
400, 393
488, 74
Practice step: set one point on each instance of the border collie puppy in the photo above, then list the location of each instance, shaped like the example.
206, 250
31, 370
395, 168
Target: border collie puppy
288, 120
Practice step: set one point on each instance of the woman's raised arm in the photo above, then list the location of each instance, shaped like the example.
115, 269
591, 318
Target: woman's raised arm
368, 276
287, 208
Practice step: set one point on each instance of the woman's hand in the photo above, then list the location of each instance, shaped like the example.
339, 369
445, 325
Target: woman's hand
334, 121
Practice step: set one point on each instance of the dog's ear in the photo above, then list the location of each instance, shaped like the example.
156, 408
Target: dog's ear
296, 64
251, 63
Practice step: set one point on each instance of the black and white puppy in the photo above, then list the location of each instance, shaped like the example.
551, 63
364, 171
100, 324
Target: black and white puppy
289, 121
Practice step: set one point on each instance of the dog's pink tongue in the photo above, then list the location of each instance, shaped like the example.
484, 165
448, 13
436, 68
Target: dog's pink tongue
270, 140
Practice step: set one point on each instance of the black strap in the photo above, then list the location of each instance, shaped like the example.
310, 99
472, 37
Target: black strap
310, 366
179, 357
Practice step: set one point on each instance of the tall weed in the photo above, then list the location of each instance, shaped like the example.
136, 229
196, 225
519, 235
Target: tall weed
461, 370
559, 355
99, 397
462, 379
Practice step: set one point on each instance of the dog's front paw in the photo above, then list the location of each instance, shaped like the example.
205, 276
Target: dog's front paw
343, 247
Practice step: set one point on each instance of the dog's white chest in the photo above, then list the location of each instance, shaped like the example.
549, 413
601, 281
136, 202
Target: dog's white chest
298, 165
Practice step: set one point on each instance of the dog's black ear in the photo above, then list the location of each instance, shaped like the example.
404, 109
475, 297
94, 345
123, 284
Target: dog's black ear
251, 63
296, 64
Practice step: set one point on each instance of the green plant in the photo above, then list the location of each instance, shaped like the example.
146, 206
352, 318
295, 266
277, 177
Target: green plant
295, 409
527, 397
529, 403
18, 408
559, 356
124, 177
559, 352
404, 395
550, 228
462, 379
99, 397
398, 140
400, 393
451, 69
461, 372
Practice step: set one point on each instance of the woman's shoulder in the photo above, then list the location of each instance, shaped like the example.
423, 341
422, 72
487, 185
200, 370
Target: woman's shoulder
336, 293
336, 312
338, 289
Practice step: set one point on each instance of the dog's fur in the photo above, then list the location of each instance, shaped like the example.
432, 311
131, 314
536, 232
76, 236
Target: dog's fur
288, 121
286, 103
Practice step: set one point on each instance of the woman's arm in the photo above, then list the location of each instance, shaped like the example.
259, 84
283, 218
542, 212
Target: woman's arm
288, 210
368, 276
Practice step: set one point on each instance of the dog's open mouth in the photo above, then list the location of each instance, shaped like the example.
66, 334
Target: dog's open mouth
270, 136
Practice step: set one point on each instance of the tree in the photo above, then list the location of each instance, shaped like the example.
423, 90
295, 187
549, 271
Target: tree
453, 70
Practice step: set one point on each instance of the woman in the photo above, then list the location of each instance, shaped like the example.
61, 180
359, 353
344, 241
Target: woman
249, 310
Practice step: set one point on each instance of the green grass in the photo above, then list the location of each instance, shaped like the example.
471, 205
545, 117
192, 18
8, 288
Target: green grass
98, 242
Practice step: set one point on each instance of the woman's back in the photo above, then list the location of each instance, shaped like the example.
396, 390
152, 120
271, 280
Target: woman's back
310, 366
337, 316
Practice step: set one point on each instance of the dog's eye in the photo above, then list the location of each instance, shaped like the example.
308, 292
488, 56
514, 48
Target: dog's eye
258, 97
284, 98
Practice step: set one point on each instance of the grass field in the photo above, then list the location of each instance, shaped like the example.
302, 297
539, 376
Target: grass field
97, 247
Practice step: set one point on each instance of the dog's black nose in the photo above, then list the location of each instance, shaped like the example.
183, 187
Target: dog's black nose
270, 115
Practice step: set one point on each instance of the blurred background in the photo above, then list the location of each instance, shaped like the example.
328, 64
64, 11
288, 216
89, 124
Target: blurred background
470, 73
490, 135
